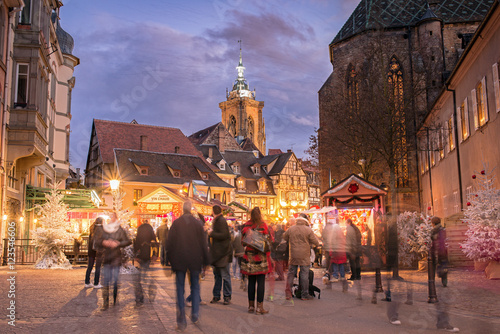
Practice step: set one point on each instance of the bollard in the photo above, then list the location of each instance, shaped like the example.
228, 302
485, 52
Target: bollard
378, 281
432, 285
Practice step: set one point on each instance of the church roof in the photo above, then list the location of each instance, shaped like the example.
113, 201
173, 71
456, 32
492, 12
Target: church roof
248, 145
372, 14
199, 137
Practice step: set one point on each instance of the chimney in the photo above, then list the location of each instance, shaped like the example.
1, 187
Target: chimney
289, 151
177, 149
211, 152
144, 143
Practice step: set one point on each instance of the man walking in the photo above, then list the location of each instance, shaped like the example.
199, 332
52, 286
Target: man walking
162, 234
301, 238
142, 250
353, 244
221, 253
187, 250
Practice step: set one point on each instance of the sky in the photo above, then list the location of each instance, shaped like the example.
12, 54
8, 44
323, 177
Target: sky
168, 63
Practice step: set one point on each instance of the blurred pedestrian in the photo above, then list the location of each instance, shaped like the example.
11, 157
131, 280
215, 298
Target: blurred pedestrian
353, 247
221, 253
142, 250
94, 253
112, 240
255, 263
187, 250
238, 251
162, 234
280, 251
301, 239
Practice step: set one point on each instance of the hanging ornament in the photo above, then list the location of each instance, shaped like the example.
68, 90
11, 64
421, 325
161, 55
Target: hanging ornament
474, 176
353, 188
468, 203
428, 208
482, 172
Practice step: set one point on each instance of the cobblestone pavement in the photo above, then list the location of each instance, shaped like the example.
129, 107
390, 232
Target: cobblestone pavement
55, 301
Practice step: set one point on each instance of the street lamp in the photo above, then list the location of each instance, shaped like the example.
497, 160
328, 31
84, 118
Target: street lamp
114, 184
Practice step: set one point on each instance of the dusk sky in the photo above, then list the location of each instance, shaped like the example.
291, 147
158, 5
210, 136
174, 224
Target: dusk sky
169, 63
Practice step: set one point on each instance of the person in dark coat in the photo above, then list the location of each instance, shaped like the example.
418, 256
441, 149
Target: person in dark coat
353, 248
95, 254
162, 234
280, 248
142, 251
221, 253
112, 240
187, 250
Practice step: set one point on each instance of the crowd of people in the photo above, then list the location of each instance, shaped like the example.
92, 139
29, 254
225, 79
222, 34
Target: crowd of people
253, 251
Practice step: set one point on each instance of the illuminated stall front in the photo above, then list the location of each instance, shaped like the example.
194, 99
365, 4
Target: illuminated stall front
359, 200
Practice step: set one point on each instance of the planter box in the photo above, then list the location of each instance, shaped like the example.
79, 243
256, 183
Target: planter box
480, 265
422, 265
492, 271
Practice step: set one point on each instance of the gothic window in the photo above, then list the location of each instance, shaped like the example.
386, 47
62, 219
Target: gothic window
250, 128
396, 89
232, 126
352, 88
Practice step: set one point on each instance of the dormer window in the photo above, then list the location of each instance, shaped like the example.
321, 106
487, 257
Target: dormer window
262, 186
256, 170
204, 176
240, 183
222, 166
176, 174
144, 170
236, 169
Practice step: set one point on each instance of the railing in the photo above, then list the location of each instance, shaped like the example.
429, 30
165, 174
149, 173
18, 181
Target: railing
24, 250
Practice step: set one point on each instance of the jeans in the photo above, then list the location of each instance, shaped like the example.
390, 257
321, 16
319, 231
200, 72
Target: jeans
303, 278
111, 275
98, 262
180, 278
338, 268
236, 267
221, 274
139, 279
163, 255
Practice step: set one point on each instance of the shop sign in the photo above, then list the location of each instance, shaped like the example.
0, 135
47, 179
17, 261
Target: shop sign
161, 197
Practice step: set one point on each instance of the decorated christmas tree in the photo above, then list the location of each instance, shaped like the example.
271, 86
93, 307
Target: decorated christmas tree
53, 234
414, 237
483, 218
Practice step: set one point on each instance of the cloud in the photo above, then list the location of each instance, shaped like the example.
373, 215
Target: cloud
159, 75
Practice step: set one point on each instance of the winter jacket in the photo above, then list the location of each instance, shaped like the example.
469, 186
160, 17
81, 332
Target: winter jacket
280, 245
113, 231
353, 240
187, 244
300, 238
142, 244
221, 251
327, 237
95, 232
439, 250
162, 234
238, 248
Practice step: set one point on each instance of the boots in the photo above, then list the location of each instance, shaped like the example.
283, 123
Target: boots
251, 306
105, 298
260, 309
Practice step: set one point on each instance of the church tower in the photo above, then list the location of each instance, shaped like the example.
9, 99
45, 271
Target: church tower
242, 114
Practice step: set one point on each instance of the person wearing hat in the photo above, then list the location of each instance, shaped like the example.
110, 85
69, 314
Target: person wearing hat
300, 238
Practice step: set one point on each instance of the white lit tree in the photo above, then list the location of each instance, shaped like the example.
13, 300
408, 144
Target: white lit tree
483, 218
54, 233
414, 237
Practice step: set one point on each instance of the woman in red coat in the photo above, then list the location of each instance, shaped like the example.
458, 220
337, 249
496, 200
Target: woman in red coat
256, 264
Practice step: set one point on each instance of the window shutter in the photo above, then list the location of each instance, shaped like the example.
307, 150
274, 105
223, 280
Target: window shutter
459, 124
496, 86
485, 100
466, 115
474, 108
453, 139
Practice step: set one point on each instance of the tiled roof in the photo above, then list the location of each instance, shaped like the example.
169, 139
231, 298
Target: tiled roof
246, 160
158, 171
248, 145
273, 151
113, 135
279, 165
371, 14
199, 137
216, 158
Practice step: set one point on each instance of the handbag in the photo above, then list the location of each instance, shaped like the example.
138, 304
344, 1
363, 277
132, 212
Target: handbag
256, 240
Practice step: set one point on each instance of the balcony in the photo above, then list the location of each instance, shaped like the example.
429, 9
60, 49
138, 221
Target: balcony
26, 134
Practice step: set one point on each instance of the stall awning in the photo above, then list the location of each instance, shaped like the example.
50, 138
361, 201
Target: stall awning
74, 198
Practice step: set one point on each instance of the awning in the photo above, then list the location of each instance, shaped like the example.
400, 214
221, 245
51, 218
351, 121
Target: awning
322, 210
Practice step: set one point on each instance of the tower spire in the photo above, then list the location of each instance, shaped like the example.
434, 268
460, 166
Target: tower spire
241, 84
